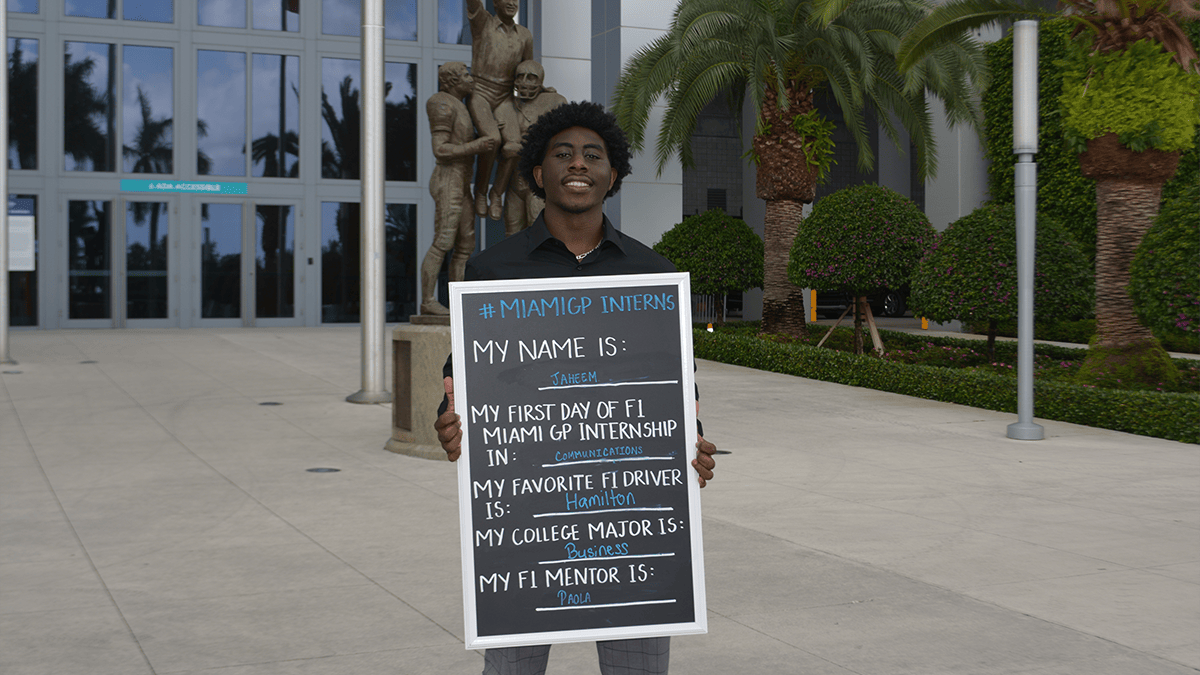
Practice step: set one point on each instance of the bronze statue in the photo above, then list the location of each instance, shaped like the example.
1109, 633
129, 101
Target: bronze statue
454, 149
533, 99
498, 45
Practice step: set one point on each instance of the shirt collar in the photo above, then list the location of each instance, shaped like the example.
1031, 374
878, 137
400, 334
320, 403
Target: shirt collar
540, 235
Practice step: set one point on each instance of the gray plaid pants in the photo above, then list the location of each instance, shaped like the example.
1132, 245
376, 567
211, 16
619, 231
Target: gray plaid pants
647, 656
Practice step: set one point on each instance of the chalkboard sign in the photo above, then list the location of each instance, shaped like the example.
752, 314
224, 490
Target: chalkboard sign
579, 507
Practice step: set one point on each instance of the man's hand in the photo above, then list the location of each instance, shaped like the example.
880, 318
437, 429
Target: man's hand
704, 462
449, 427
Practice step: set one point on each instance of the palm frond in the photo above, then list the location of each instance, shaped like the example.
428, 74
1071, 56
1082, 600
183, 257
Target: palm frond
947, 22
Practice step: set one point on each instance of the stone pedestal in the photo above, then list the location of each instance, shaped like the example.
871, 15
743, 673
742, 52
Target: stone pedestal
418, 354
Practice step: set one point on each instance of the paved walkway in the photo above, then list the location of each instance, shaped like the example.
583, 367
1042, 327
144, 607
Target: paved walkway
155, 517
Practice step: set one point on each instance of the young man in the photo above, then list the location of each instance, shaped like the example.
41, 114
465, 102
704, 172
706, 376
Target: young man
573, 157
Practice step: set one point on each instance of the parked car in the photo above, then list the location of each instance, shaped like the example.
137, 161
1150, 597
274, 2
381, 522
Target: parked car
888, 302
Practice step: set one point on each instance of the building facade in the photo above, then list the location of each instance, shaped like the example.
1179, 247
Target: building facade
194, 163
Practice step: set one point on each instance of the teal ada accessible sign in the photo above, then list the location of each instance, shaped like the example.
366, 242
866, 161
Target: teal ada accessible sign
202, 187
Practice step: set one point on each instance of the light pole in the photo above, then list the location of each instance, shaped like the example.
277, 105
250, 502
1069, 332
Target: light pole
371, 256
4, 290
1025, 146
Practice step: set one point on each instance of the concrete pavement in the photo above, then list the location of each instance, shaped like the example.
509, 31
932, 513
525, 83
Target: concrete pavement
155, 517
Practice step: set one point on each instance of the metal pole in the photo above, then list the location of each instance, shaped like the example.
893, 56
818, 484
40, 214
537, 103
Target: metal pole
1025, 125
4, 286
372, 247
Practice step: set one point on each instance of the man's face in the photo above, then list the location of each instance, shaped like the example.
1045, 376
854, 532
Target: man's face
507, 9
528, 82
460, 84
575, 173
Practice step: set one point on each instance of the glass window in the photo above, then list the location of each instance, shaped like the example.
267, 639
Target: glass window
453, 26
340, 253
276, 115
22, 285
224, 13
89, 121
220, 113
26, 6
98, 9
146, 225
22, 103
277, 15
400, 237
344, 17
275, 288
161, 11
340, 286
149, 109
88, 265
221, 261
341, 124
400, 119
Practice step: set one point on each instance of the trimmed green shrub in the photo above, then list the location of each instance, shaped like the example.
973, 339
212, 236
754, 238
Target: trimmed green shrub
1063, 192
970, 273
1164, 278
1162, 415
1077, 331
1138, 93
721, 252
861, 239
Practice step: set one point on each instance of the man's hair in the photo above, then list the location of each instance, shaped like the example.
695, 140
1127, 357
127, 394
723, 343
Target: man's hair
575, 114
450, 74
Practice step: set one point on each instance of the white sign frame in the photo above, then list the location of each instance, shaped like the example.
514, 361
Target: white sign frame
459, 291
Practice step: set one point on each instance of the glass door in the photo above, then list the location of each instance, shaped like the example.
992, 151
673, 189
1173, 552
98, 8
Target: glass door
248, 273
275, 263
221, 264
146, 283
120, 258
89, 263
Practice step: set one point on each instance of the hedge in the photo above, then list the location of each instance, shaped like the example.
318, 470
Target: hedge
1161, 415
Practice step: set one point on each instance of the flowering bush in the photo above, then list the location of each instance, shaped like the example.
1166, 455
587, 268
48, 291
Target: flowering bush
860, 239
1164, 279
721, 253
970, 274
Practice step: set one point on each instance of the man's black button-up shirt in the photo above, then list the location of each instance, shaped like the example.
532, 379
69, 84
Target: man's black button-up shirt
533, 253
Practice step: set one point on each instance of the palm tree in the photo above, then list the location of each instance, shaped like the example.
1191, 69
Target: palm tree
151, 152
780, 52
1128, 183
83, 107
341, 160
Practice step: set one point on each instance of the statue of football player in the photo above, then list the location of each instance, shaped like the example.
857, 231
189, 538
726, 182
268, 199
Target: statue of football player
498, 44
454, 149
521, 206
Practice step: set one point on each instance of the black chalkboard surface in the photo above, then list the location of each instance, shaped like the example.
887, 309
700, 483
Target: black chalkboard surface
579, 508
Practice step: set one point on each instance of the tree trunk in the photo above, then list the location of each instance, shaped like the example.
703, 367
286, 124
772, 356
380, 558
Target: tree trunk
783, 302
1128, 190
1124, 211
860, 304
